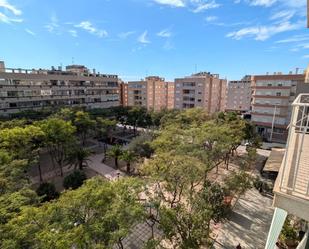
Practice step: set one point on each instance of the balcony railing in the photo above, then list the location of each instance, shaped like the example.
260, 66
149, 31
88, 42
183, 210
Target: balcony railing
294, 172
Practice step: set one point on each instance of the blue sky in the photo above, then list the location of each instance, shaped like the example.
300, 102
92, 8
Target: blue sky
169, 38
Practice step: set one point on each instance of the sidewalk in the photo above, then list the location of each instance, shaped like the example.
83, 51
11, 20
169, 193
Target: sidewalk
248, 224
95, 163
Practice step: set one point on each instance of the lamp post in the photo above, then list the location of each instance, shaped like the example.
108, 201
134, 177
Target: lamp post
273, 124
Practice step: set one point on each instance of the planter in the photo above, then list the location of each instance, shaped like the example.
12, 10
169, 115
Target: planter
228, 200
291, 243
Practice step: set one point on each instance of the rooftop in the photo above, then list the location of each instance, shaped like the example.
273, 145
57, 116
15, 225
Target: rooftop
71, 70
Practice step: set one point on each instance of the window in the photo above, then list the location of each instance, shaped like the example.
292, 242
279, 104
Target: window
199, 100
269, 84
189, 84
278, 94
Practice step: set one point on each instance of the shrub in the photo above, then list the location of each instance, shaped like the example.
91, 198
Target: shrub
47, 191
74, 180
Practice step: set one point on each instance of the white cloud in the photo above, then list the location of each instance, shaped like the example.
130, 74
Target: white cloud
202, 5
30, 32
4, 18
262, 33
303, 46
143, 38
306, 56
73, 32
295, 3
295, 38
173, 3
6, 5
264, 3
164, 33
125, 35
53, 26
87, 26
283, 15
211, 18
195, 6
11, 13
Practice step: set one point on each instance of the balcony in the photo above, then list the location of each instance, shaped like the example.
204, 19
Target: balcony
292, 185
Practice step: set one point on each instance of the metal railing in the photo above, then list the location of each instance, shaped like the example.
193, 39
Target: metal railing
294, 172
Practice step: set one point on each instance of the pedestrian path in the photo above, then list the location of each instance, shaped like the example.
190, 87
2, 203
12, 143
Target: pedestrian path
248, 224
95, 163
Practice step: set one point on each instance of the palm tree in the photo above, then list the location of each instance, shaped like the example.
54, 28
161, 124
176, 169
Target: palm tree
115, 152
129, 157
79, 158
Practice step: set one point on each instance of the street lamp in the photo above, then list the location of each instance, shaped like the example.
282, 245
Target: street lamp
273, 124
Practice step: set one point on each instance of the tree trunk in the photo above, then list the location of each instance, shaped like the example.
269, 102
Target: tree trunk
40, 171
116, 162
120, 245
128, 167
80, 165
227, 160
61, 169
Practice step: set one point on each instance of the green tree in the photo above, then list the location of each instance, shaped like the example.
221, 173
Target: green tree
115, 152
18, 140
129, 157
74, 180
137, 116
47, 191
97, 215
79, 157
104, 128
59, 139
84, 124
238, 182
141, 145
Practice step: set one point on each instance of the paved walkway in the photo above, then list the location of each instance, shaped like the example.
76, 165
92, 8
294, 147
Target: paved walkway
95, 163
248, 224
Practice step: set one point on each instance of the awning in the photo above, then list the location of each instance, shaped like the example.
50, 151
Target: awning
274, 160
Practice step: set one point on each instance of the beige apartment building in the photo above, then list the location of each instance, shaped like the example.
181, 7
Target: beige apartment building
123, 93
152, 93
271, 103
239, 95
34, 89
170, 95
202, 90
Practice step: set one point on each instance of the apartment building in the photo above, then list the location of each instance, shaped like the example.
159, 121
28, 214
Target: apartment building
123, 93
152, 93
239, 95
24, 89
271, 103
291, 190
170, 95
204, 90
